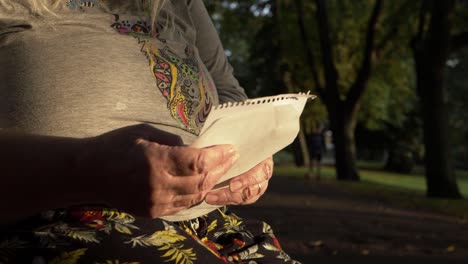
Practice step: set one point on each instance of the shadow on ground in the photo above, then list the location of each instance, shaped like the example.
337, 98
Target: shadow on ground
317, 223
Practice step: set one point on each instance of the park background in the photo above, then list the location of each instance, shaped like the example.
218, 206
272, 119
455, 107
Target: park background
392, 81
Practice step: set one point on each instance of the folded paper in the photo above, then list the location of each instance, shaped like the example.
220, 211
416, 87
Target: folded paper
258, 128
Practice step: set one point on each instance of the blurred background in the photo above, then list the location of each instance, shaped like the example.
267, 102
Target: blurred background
389, 128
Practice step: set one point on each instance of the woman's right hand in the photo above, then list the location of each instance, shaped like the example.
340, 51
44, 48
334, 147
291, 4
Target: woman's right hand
146, 171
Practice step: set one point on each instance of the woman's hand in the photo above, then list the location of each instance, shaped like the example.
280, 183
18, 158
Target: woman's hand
145, 171
246, 188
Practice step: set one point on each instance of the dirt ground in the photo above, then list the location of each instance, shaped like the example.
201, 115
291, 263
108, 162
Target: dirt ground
317, 223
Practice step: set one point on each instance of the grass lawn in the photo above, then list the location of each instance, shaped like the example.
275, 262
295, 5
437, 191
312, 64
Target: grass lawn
407, 190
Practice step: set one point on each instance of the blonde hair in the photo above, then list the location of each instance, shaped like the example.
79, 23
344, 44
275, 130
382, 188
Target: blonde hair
43, 7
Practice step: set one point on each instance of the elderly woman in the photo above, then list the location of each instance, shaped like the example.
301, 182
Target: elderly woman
98, 102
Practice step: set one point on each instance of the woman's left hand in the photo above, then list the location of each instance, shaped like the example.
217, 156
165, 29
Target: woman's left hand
245, 188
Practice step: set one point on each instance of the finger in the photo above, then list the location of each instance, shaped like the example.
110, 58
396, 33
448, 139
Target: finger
261, 172
225, 197
175, 203
187, 200
219, 158
198, 183
190, 161
204, 182
211, 163
261, 189
247, 195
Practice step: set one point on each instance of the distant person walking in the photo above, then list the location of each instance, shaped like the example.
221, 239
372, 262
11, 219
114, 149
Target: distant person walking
316, 146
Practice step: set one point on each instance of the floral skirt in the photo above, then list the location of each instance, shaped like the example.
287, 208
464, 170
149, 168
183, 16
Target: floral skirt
104, 235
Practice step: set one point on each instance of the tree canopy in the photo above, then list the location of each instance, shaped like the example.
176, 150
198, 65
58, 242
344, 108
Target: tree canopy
358, 56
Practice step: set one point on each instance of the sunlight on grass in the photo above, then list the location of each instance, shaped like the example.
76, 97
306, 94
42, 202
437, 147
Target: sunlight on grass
413, 182
410, 182
407, 190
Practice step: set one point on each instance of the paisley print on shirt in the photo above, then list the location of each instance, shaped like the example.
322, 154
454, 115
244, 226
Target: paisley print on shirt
81, 4
178, 76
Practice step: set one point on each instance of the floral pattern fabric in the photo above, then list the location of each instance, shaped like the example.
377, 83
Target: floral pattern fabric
104, 235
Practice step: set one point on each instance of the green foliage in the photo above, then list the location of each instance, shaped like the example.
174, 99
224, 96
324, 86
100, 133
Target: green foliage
237, 25
460, 18
264, 46
390, 96
348, 21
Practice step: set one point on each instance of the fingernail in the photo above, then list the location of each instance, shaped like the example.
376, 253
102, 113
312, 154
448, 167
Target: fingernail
267, 169
235, 186
233, 159
231, 149
211, 198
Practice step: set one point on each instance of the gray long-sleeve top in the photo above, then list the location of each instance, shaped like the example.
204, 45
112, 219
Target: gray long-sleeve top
93, 68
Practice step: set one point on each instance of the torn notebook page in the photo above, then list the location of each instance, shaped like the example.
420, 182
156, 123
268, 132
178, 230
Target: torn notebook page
258, 128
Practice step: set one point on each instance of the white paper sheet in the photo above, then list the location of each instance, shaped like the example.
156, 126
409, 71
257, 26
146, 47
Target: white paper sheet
258, 128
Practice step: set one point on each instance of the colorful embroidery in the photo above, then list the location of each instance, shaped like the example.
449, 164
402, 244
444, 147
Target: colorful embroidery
180, 80
135, 28
81, 4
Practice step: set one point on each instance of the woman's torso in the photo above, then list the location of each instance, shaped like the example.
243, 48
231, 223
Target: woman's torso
91, 70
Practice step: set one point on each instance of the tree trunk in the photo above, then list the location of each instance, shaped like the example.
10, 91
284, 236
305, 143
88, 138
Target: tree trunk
430, 54
341, 112
343, 125
304, 149
300, 151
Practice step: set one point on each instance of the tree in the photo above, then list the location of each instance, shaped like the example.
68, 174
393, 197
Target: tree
431, 47
269, 57
342, 107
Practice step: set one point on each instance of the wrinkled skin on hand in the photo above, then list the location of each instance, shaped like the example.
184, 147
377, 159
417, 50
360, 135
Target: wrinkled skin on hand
146, 171
246, 188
